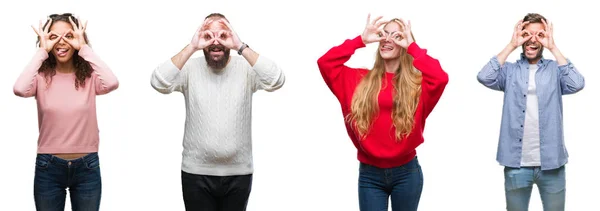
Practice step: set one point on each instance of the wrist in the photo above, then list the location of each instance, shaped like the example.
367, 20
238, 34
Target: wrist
554, 50
242, 47
510, 47
191, 48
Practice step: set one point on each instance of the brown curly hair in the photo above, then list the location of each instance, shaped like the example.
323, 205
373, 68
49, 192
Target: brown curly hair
83, 69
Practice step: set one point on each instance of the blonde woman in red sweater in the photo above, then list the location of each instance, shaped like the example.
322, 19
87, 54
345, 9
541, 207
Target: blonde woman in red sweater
385, 110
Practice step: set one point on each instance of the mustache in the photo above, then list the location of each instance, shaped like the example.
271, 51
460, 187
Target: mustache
216, 47
532, 43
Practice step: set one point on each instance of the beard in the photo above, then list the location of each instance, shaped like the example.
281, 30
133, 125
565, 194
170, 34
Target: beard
540, 50
219, 63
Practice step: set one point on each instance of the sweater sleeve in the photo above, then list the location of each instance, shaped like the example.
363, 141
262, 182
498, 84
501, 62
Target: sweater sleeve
103, 77
167, 78
332, 64
269, 76
26, 85
434, 78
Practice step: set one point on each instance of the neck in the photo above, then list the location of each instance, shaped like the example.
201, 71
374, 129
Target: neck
534, 61
66, 67
391, 65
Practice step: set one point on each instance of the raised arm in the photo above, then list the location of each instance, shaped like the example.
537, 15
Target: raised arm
332, 63
172, 75
434, 79
571, 81
26, 84
268, 74
493, 74
105, 79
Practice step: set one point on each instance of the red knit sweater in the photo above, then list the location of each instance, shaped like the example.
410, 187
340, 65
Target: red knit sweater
380, 147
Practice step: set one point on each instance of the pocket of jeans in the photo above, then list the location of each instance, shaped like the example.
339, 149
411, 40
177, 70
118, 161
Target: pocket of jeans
412, 166
41, 163
92, 163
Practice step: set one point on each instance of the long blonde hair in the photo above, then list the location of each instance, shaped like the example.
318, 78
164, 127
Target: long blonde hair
407, 90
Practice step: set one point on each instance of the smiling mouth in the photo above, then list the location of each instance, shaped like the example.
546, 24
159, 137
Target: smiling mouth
61, 52
386, 48
532, 49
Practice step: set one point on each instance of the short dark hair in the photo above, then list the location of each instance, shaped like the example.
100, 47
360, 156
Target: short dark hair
534, 18
216, 15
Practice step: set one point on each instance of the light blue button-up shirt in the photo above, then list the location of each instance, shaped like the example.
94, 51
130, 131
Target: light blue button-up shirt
552, 81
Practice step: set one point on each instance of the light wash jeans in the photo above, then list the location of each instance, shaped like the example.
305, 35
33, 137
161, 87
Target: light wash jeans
518, 183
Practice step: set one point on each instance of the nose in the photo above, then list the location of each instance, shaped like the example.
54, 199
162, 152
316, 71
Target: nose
62, 41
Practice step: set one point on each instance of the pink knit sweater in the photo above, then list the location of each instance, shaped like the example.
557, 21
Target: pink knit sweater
66, 116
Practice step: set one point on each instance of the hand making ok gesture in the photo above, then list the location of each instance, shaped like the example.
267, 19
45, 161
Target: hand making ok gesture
373, 31
47, 38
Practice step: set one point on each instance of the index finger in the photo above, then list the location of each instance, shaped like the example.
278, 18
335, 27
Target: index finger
402, 23
226, 24
72, 23
47, 25
376, 19
522, 25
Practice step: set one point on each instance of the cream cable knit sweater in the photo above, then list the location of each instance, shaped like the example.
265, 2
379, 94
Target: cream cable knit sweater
217, 139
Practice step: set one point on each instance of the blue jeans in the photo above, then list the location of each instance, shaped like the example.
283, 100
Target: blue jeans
403, 183
518, 183
54, 175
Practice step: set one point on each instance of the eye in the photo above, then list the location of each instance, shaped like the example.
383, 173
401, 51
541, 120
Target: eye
69, 36
380, 34
525, 34
223, 35
52, 37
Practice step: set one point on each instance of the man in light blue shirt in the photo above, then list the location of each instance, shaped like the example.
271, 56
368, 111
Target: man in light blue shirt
531, 145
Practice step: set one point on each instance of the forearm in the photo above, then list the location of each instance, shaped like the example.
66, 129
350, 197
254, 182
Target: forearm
182, 57
269, 75
106, 81
250, 55
559, 56
503, 55
26, 84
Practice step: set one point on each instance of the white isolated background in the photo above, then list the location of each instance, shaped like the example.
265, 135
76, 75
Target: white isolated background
303, 157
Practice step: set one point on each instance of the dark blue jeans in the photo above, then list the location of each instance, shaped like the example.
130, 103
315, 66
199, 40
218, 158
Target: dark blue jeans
54, 175
403, 183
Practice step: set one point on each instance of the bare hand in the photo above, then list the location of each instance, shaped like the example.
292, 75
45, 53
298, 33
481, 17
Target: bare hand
546, 37
202, 38
47, 39
403, 38
520, 36
373, 32
229, 38
76, 37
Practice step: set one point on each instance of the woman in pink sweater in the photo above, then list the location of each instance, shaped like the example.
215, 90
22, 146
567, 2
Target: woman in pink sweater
65, 75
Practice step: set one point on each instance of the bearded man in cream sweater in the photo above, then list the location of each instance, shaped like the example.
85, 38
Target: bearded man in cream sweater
217, 145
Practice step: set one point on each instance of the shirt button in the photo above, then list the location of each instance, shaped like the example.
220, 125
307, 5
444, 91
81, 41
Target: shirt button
521, 125
519, 140
524, 95
523, 111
